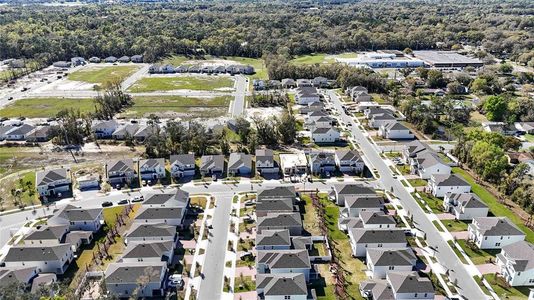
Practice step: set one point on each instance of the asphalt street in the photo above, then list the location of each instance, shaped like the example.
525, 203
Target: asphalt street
238, 106
213, 268
444, 254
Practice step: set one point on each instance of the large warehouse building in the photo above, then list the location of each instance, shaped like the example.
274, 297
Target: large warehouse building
447, 59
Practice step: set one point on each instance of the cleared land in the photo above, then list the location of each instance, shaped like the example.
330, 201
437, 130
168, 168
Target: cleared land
180, 106
197, 83
101, 74
45, 107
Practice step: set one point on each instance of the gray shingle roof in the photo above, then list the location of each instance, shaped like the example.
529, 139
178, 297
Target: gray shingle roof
379, 289
322, 158
43, 178
155, 213
281, 219
350, 155
496, 226
52, 232
273, 238
369, 217
124, 165
362, 235
151, 163
391, 257
178, 199
449, 180
521, 254
428, 159
409, 282
36, 253
147, 249
281, 259
322, 130
131, 272
264, 155
208, 162
183, 159
73, 213
151, 230
415, 147
354, 188
468, 200
364, 201
238, 160
277, 192
11, 276
282, 284
267, 205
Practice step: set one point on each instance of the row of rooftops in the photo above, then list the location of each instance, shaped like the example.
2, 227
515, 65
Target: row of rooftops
195, 68
76, 61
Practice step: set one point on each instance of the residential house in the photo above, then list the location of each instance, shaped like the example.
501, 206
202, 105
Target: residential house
39, 134
429, 163
19, 133
313, 123
104, 129
182, 165
137, 58
88, 181
274, 84
376, 220
122, 279
349, 161
265, 163
141, 232
62, 64
146, 131
499, 127
465, 206
152, 169
304, 83
281, 205
362, 239
273, 240
375, 110
258, 84
524, 127
323, 163
293, 163
516, 263
77, 61
395, 131
323, 135
494, 232
307, 95
361, 96
94, 60
124, 59
357, 203
4, 130
356, 89
47, 235
283, 262
312, 107
280, 221
376, 289
281, 286
110, 59
382, 261
411, 150
439, 185
288, 83
278, 192
53, 182
78, 238
120, 171
85, 219
44, 281
212, 165
381, 119
160, 215
409, 285
239, 164
125, 131
178, 199
45, 259
320, 82
149, 252
17, 276
340, 191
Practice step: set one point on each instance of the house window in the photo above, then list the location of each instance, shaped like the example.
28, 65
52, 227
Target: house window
485, 238
497, 244
415, 295
287, 297
392, 267
530, 280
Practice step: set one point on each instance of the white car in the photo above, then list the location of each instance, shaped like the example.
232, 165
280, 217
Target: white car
176, 281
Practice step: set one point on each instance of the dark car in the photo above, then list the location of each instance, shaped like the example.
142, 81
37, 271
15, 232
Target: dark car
107, 204
122, 202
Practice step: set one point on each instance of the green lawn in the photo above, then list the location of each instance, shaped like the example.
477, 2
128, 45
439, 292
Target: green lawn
501, 288
244, 284
102, 74
28, 195
495, 207
172, 106
454, 225
529, 137
417, 182
478, 256
45, 107
460, 256
110, 214
257, 63
174, 60
310, 59
197, 83
436, 224
435, 204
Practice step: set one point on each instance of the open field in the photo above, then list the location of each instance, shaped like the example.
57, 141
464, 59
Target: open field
174, 60
197, 83
311, 59
497, 208
28, 195
45, 107
101, 74
178, 106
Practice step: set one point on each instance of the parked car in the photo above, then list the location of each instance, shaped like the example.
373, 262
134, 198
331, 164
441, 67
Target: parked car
107, 204
122, 202
176, 281
137, 199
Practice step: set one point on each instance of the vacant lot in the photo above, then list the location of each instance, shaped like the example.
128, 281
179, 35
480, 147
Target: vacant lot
197, 83
101, 74
45, 107
310, 59
178, 106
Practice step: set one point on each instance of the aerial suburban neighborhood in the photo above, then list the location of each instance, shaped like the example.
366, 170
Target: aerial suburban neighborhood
244, 150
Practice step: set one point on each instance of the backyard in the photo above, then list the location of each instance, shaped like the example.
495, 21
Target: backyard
45, 107
197, 83
102, 74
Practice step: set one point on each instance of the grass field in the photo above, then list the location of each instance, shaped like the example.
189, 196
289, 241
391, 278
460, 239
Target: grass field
178, 106
197, 83
310, 59
502, 289
478, 256
26, 197
494, 205
454, 225
174, 60
99, 75
45, 107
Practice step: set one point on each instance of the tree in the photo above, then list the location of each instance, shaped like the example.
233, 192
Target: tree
287, 129
495, 108
112, 101
435, 79
455, 88
242, 128
266, 131
506, 68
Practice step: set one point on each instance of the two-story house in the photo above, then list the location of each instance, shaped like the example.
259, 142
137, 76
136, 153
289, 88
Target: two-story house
465, 206
494, 232
283, 262
381, 261
182, 165
441, 184
349, 161
121, 172
516, 263
362, 239
152, 169
265, 163
53, 182
46, 259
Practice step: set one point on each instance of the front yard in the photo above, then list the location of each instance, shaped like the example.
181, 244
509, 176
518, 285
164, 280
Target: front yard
477, 256
455, 225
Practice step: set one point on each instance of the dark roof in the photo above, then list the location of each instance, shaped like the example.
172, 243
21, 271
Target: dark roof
73, 213
131, 272
520, 254
391, 257
151, 163
208, 162
351, 155
50, 176
12, 276
36, 253
282, 284
273, 238
468, 200
449, 180
156, 213
280, 219
147, 249
362, 235
354, 189
284, 204
496, 226
364, 201
281, 259
178, 199
369, 217
124, 165
409, 282
52, 232
238, 160
150, 230
184, 159
277, 192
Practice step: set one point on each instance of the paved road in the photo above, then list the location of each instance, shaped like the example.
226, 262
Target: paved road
445, 255
92, 94
238, 105
213, 267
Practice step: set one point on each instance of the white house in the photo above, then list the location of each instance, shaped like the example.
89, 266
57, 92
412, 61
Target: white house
355, 204
395, 131
494, 232
141, 232
160, 215
362, 239
283, 262
280, 221
428, 163
273, 240
122, 279
182, 165
265, 163
46, 259
88, 181
48, 235
322, 162
409, 285
325, 135
149, 252
120, 172
376, 220
516, 263
85, 219
439, 185
104, 129
349, 161
307, 95
465, 206
281, 286
381, 261
152, 169
293, 163
340, 191
381, 119
52, 182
